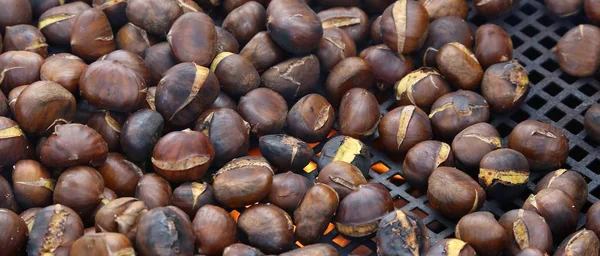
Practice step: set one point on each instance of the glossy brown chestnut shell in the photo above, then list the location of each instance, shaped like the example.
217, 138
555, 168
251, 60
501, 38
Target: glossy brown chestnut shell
226, 42
254, 172
19, 68
154, 190
311, 118
440, 8
451, 246
13, 143
404, 127
80, 188
102, 244
492, 45
544, 145
592, 10
505, 86
483, 232
353, 223
494, 7
262, 52
453, 193
245, 21
442, 31
191, 196
564, 8
33, 184
578, 51
353, 20
108, 125
349, 73
413, 237
25, 38
525, 229
73, 144
132, 61
64, 69
55, 229
193, 38
459, 65
591, 122
294, 26
15, 12
582, 242
294, 77
159, 58
456, 111
558, 209
421, 88
236, 74
388, 66
140, 133
241, 249
504, 174
342, 177
335, 46
154, 16
314, 213
358, 104
569, 181
265, 110
92, 35
132, 38
120, 174
285, 152
422, 159
14, 237
165, 231
287, 190
404, 26
7, 200
214, 230
592, 218
57, 23
267, 227
313, 249
227, 131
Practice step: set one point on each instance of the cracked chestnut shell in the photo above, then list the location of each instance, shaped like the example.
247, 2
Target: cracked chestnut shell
342, 177
73, 144
558, 209
226, 42
154, 190
132, 61
57, 23
235, 73
388, 66
459, 65
14, 236
114, 11
4, 105
569, 181
287, 190
193, 38
19, 68
404, 127
505, 86
473, 143
134, 39
190, 196
262, 52
440, 8
243, 181
422, 159
165, 231
353, 223
346, 149
227, 131
80, 188
492, 45
582, 242
454, 193
525, 229
102, 244
265, 110
267, 228
335, 46
311, 118
314, 213
504, 174
544, 145
322, 249
159, 58
108, 125
285, 152
352, 20
185, 91
13, 95
241, 249
358, 104
442, 31
13, 143
494, 7
55, 229
404, 26
483, 232
7, 197
578, 51
352, 72
294, 26
451, 246
563, 8
214, 229
245, 21
64, 69
120, 174
140, 133
456, 111
92, 35
591, 122
421, 88
25, 38
402, 233
120, 215
33, 184
154, 16
294, 77
14, 12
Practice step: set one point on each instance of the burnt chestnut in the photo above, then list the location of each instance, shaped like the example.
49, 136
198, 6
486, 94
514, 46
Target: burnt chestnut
132, 38
422, 159
262, 52
265, 110
33, 184
402, 233
544, 145
440, 8
73, 144
388, 66
335, 46
154, 190
474, 142
349, 73
346, 149
267, 227
287, 190
240, 249
569, 181
353, 223
236, 74
64, 69
159, 58
582, 242
563, 8
322, 249
532, 251
456, 111
114, 11
226, 42
19, 68
245, 21
193, 38
376, 31
120, 215
7, 197
190, 196
130, 60
558, 209
311, 118
453, 193
15, 12
165, 231
483, 232
352, 20
227, 131
294, 77
358, 104
108, 125
92, 35
458, 64
404, 26
154, 16
120, 175
140, 133
492, 45
505, 86
342, 177
504, 174
13, 143
404, 127
80, 188
102, 244
421, 88
442, 31
578, 55
14, 236
25, 38
55, 229
591, 122
243, 181
494, 7
214, 230
224, 101
285, 152
451, 246
294, 26
591, 8
525, 229
185, 91
315, 212
57, 23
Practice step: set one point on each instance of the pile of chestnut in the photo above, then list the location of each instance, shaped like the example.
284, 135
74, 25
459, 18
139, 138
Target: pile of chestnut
126, 128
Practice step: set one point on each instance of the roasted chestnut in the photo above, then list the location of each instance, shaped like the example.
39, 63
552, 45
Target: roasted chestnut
453, 193
80, 188
236, 74
294, 26
55, 229
190, 196
388, 66
14, 236
532, 251
422, 159
107, 196
120, 175
121, 215
7, 197
92, 35
353, 223
154, 16
64, 69
285, 152
402, 233
358, 104
334, 3
569, 181
346, 149
159, 58
25, 38
102, 244
15, 12
4, 105
13, 95
19, 68
376, 31
525, 229
214, 230
483, 232
189, 6
262, 52
73, 144
335, 46
544, 145
558, 209
267, 227
314, 213
591, 122
230, 5
57, 23
342, 177
404, 26
241, 249
224, 101
245, 21
474, 142
165, 231
243, 181
442, 31
582, 242
287, 190
456, 111
591, 8
451, 246
322, 249
140, 133
349, 73
130, 60
505, 86
592, 218
352, 20
108, 125
440, 8
294, 77
404, 127
492, 45
226, 42
311, 118
578, 51
563, 8
114, 10
132, 38
227, 131
459, 65
13, 143
193, 38
265, 110
421, 88
504, 174
33, 184
154, 190
494, 7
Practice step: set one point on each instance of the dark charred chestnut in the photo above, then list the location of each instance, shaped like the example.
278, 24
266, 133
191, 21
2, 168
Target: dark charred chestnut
558, 209
120, 175
140, 133
582, 242
442, 31
114, 11
191, 196
353, 223
267, 227
494, 7
456, 111
240, 249
532, 251
376, 31
7, 197
236, 74
224, 101
132, 38
359, 104
505, 86
439, 8
346, 149
130, 60
342, 177
13, 143
154, 16
313, 249
25, 38
80, 188
57, 23
458, 64
245, 21
569, 181
451, 246
92, 35
413, 237
14, 236
422, 159
226, 42
55, 229
592, 10
483, 232
504, 174
404, 127
579, 55
73, 144
563, 8
352, 20
154, 190
311, 118
285, 152
335, 46
262, 52
315, 212
294, 26
421, 88
165, 231
453, 193
254, 172
265, 110
388, 66
15, 12
349, 73
64, 69
526, 229
33, 184
120, 215
591, 122
293, 78
108, 125
492, 45
159, 58
227, 131
214, 230
102, 244
193, 38
544, 145
404, 26
19, 68
287, 190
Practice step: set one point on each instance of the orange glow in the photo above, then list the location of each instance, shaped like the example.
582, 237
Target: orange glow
341, 241
380, 168
235, 214
310, 167
329, 228
254, 152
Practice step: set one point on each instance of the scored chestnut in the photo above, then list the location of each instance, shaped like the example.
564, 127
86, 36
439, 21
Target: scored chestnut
442, 31
102, 244
451, 246
505, 86
241, 249
388, 66
134, 39
311, 118
504, 174
92, 35
191, 196
19, 68
352, 20
525, 229
287, 190
473, 143
454, 193
108, 125
353, 223
439, 8
254, 172
335, 46
322, 249
294, 77
413, 237
346, 149
582, 242
227, 131
57, 23
494, 7
25, 38
544, 145
558, 209
349, 73
422, 159
64, 69
404, 26
404, 127
13, 143
73, 144
342, 177
262, 52
285, 152
56, 223
569, 181
33, 184
235, 73
459, 65
358, 104
130, 60
455, 111
167, 230
421, 88
120, 215
483, 232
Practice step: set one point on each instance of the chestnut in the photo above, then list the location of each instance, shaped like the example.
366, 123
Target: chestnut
422, 159
224, 101
451, 246
245, 21
459, 65
591, 122
563, 8
504, 174
311, 118
454, 193
226, 42
265, 110
191, 196
404, 26
230, 5
314, 213
57, 23
342, 177
55, 229
357, 104
154, 16
376, 31
92, 35
294, 77
532, 251
287, 190
227, 131
335, 46
456, 111
243, 181
214, 230
165, 231
149, 103
64, 69
525, 229
19, 68
159, 58
592, 218
189, 6
25, 38
579, 55
14, 236
120, 175
107, 196
440, 8
494, 7
353, 223
483, 232
140, 133
154, 190
262, 52
102, 244
568, 181
73, 144
13, 143
15, 12
582, 242
193, 38
267, 227
404, 127
421, 88
558, 209
442, 31
13, 95
130, 60
294, 26
352, 20
505, 86
80, 188
7, 197
235, 73
402, 233
544, 145
388, 66
33, 184
377, 6
473, 143
492, 45
285, 152
4, 105
185, 91
239, 249
114, 11
591, 8
132, 38
349, 73
108, 125
120, 215
346, 149
322, 249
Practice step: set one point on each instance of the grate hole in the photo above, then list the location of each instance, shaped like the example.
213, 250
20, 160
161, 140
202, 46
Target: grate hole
420, 213
330, 227
341, 241
586, 207
361, 250
504, 130
561, 31
594, 166
478, 20
535, 77
512, 20
555, 114
532, 53
548, 42
380, 168
574, 127
414, 192
536, 102
571, 101
553, 89
436, 226
519, 116
578, 153
530, 31
516, 42
596, 192
550, 65
588, 89
590, 141
400, 202
396, 181
546, 20
567, 78
528, 9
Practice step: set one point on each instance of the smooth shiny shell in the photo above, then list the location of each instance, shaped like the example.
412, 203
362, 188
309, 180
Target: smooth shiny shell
353, 223
441, 8
191, 196
73, 144
285, 152
92, 35
544, 145
569, 181
442, 31
14, 12
120, 174
14, 236
243, 181
245, 21
294, 26
349, 73
455, 111
19, 68
388, 66
214, 230
134, 39
311, 118
57, 23
193, 38
154, 16
353, 20
159, 58
492, 45
453, 193
236, 74
64, 69
564, 8
335, 46
494, 7
342, 177
154, 190
33, 184
558, 209
483, 232
13, 142
421, 88
578, 51
267, 227
25, 38
315, 212
140, 133
591, 122
262, 52
287, 190
79, 188
422, 159
265, 110
358, 104
226, 42
459, 65
132, 61
228, 132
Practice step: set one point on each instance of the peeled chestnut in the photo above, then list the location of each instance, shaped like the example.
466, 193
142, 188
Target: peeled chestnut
190, 196
92, 35
243, 181
154, 190
262, 52
422, 159
120, 215
287, 190
526, 229
55, 229
241, 249
14, 236
346, 149
102, 244
13, 143
458, 64
214, 230
19, 68
569, 181
64, 69
494, 7
33, 184
165, 231
404, 26
235, 73
130, 60
349, 73
311, 118
578, 51
140, 133
492, 45
245, 21
583, 242
388, 66
294, 77
25, 38
314, 213
353, 223
564, 8
591, 122
440, 8
193, 38
456, 111
544, 145
557, 208
342, 177
451, 246
120, 175
404, 127
322, 249
402, 233
505, 86
154, 16
132, 38
79, 188
483, 232
265, 110
352, 20
7, 197
294, 26
591, 8
453, 193
358, 104
421, 88
227, 131
73, 144
267, 227
335, 46
285, 152
442, 31
504, 174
